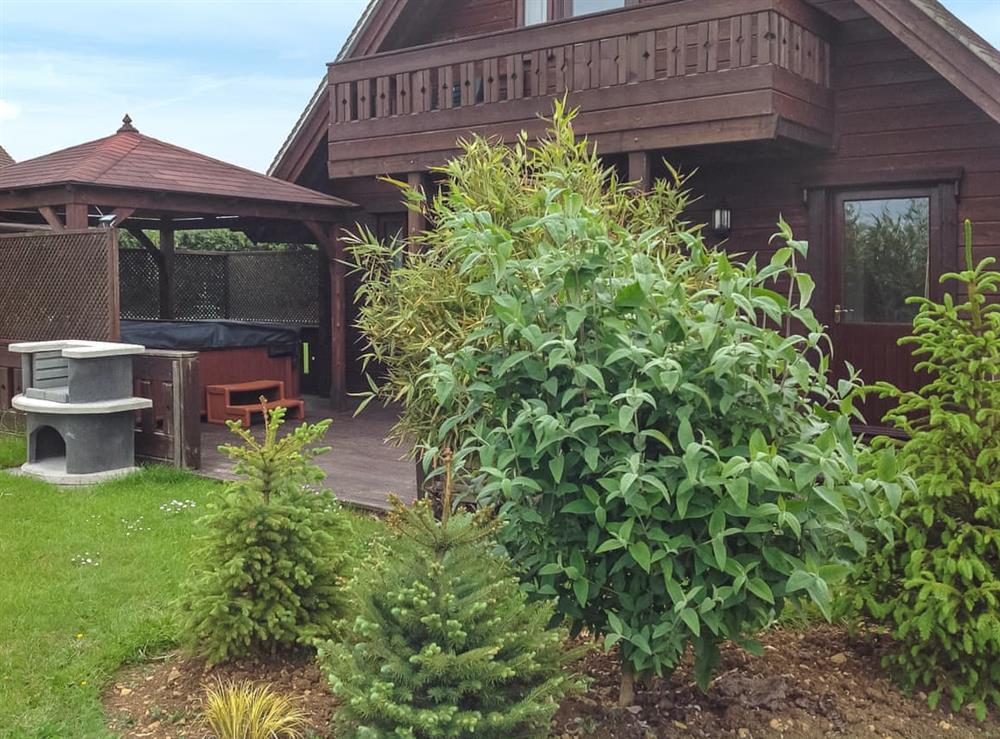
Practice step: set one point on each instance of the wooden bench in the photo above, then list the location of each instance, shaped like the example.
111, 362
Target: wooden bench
242, 401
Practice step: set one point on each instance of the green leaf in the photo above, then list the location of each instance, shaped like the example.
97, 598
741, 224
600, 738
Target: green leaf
641, 554
717, 522
581, 589
556, 465
690, 617
719, 550
609, 546
580, 505
630, 296
739, 491
592, 373
761, 589
799, 580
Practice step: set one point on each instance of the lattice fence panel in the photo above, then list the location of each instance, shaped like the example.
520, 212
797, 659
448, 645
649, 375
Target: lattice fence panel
201, 287
140, 285
59, 286
274, 287
263, 287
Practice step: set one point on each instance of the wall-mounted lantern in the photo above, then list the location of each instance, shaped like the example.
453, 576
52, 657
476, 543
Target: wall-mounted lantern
722, 219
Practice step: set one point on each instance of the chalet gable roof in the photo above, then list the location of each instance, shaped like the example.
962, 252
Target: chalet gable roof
950, 47
129, 159
926, 27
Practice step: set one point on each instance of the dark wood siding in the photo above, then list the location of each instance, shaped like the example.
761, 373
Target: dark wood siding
458, 18
896, 119
893, 112
449, 20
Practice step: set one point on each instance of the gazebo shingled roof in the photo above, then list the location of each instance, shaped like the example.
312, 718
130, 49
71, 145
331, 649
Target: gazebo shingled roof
132, 161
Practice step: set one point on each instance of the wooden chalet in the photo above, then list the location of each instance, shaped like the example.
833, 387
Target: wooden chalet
872, 126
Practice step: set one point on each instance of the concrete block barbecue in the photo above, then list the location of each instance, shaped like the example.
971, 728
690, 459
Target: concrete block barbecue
80, 409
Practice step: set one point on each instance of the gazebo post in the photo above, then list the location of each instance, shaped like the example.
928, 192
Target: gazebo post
328, 239
76, 215
167, 265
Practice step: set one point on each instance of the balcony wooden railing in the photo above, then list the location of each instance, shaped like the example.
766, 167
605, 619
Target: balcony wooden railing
492, 79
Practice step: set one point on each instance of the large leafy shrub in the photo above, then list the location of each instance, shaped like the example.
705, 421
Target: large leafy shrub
937, 586
652, 419
444, 644
436, 302
267, 573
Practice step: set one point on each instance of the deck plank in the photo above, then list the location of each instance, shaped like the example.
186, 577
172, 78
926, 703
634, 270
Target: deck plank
362, 469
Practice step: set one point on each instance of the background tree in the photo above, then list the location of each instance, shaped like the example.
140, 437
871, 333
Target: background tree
444, 643
937, 584
268, 572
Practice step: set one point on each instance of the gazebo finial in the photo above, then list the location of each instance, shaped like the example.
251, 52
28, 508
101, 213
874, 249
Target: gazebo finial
127, 126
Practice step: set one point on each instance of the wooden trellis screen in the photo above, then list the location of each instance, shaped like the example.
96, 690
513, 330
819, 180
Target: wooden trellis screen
55, 286
59, 286
258, 286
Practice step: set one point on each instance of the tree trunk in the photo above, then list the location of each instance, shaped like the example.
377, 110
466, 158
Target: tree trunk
626, 695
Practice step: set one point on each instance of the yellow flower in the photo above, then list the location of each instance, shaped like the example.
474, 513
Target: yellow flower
83, 682
79, 636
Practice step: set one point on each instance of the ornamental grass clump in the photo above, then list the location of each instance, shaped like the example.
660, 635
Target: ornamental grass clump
444, 643
268, 571
242, 710
651, 417
937, 585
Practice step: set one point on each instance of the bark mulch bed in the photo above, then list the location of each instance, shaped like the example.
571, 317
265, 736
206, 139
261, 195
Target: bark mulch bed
816, 683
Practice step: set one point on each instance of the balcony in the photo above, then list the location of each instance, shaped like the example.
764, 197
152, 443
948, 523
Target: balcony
649, 77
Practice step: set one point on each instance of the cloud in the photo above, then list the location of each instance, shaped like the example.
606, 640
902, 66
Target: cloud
8, 110
67, 98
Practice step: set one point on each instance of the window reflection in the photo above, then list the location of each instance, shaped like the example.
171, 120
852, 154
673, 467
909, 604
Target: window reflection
535, 11
582, 7
885, 258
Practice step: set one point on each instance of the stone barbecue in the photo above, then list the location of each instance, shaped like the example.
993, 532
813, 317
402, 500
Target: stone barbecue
80, 409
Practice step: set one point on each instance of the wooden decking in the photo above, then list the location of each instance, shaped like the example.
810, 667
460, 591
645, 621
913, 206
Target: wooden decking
361, 468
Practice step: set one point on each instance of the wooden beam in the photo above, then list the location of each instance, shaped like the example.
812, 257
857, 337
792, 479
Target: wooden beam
416, 221
121, 215
640, 170
328, 239
176, 203
77, 215
145, 242
167, 271
51, 217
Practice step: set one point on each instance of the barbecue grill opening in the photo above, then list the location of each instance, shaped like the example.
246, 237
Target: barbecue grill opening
48, 444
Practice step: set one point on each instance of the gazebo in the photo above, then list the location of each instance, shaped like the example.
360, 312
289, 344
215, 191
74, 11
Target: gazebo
139, 183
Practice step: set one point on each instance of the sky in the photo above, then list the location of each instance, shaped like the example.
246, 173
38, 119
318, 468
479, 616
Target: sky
226, 78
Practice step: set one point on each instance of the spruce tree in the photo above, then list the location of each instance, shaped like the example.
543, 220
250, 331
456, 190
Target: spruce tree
936, 586
268, 572
444, 643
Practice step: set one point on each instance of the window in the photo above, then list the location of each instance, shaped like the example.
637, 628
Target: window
583, 7
885, 258
535, 11
540, 11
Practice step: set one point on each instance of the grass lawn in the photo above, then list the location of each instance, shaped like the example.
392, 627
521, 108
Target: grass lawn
13, 449
89, 578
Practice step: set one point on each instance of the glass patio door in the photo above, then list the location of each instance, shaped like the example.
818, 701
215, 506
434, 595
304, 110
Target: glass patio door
882, 250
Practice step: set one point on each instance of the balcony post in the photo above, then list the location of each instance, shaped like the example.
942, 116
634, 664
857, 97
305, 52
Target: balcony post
416, 221
640, 170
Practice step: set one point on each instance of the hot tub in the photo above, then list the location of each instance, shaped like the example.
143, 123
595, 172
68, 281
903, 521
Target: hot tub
229, 352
